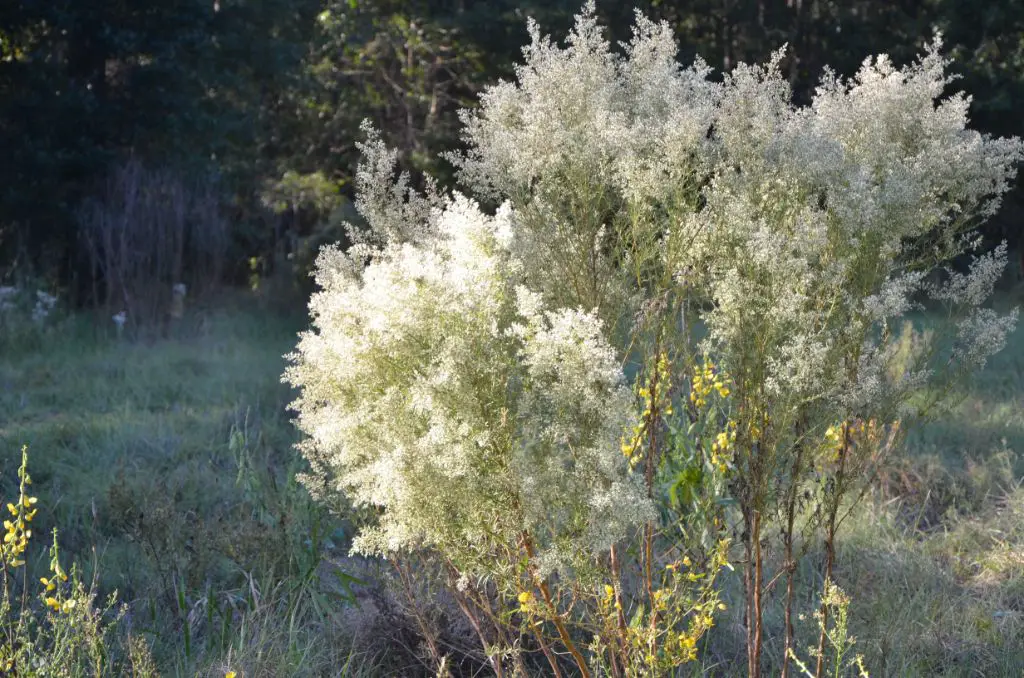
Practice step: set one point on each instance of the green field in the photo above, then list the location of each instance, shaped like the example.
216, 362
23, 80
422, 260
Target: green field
167, 467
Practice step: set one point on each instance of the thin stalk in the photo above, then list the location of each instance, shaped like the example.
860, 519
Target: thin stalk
758, 590
621, 616
790, 562
748, 589
556, 616
495, 662
830, 545
403, 575
500, 628
548, 654
651, 462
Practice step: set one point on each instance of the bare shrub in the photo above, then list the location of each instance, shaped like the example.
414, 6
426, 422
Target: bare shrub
148, 233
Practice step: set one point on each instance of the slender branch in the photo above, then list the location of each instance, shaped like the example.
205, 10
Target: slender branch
830, 546
556, 617
425, 630
790, 563
495, 661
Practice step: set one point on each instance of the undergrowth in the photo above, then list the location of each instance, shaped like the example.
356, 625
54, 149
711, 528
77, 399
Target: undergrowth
167, 469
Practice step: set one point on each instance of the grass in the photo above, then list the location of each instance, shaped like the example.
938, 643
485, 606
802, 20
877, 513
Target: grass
167, 467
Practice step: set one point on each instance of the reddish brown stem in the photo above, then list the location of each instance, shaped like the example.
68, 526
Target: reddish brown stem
556, 616
495, 661
552, 660
758, 589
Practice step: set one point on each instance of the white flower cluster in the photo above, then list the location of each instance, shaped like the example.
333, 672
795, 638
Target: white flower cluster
42, 304
440, 392
451, 380
809, 229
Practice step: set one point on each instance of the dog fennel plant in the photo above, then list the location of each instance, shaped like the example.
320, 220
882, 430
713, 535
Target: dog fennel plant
676, 297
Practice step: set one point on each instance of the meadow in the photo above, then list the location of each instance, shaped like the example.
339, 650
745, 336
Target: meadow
166, 465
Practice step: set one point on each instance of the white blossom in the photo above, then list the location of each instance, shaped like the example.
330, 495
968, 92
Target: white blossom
463, 374
439, 391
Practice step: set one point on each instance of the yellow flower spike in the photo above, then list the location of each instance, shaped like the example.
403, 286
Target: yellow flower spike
525, 597
609, 591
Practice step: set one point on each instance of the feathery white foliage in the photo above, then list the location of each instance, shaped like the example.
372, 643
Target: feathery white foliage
393, 210
450, 383
441, 393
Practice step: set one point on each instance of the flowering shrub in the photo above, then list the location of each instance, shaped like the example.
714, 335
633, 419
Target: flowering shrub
453, 399
742, 259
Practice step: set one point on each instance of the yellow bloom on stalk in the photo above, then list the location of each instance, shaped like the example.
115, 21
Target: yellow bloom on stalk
526, 599
707, 381
687, 647
17, 531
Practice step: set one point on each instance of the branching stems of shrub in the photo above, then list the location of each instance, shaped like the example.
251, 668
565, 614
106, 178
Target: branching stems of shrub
552, 607
429, 636
474, 620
